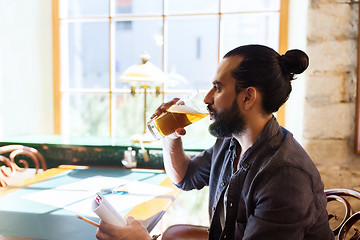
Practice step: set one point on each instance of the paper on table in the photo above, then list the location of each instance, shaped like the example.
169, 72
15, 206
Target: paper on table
67, 194
106, 211
138, 192
78, 196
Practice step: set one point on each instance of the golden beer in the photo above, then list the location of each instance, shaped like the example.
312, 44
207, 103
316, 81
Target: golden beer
168, 122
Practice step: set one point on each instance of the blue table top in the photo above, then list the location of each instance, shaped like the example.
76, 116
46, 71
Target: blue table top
26, 218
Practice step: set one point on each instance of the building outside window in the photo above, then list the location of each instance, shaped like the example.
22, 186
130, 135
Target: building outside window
99, 39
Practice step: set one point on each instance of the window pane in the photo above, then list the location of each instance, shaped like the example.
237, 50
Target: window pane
253, 5
191, 6
192, 51
88, 53
128, 117
87, 115
85, 7
132, 39
256, 28
138, 7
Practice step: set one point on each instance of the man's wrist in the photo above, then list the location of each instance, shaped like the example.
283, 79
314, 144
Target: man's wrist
173, 136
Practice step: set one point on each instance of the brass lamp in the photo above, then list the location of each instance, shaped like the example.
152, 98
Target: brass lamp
144, 73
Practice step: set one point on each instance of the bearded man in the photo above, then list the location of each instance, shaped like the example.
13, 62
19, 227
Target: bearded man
262, 184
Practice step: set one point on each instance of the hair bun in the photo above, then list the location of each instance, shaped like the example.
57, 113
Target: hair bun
294, 61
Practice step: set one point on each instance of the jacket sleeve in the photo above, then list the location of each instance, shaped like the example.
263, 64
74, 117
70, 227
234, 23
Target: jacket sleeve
198, 172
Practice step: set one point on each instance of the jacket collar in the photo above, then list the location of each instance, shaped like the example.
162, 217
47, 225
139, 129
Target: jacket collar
271, 131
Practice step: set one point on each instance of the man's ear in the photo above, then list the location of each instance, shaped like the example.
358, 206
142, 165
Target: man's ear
251, 94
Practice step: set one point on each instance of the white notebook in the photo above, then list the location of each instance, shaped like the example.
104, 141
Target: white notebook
107, 213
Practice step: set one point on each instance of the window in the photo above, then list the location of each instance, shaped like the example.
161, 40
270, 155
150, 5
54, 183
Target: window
95, 41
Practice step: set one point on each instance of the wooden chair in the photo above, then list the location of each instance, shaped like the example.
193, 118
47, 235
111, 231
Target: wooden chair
186, 232
11, 154
350, 219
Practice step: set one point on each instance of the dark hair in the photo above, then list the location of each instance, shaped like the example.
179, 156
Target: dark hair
269, 72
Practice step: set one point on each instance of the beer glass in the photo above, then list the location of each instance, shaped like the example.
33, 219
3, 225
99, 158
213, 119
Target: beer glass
185, 112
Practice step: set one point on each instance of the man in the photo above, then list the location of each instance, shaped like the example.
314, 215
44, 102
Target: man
262, 184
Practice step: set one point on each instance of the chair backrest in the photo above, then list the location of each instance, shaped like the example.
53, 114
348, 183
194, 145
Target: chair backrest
11, 153
350, 218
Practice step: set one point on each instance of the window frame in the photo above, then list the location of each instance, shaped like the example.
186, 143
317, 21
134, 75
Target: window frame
57, 92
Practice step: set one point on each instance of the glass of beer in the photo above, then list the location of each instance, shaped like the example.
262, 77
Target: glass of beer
183, 113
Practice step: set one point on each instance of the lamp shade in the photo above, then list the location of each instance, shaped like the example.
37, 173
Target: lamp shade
143, 72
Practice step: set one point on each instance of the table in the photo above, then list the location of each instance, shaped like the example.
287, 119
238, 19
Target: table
26, 213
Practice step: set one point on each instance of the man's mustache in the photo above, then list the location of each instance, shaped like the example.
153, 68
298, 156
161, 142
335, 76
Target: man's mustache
211, 110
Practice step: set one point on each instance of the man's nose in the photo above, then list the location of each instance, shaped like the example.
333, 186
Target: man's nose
209, 97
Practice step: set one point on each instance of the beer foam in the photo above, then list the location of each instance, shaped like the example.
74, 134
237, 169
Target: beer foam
183, 109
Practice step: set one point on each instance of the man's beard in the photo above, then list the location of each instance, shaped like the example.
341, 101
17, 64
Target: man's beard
228, 122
